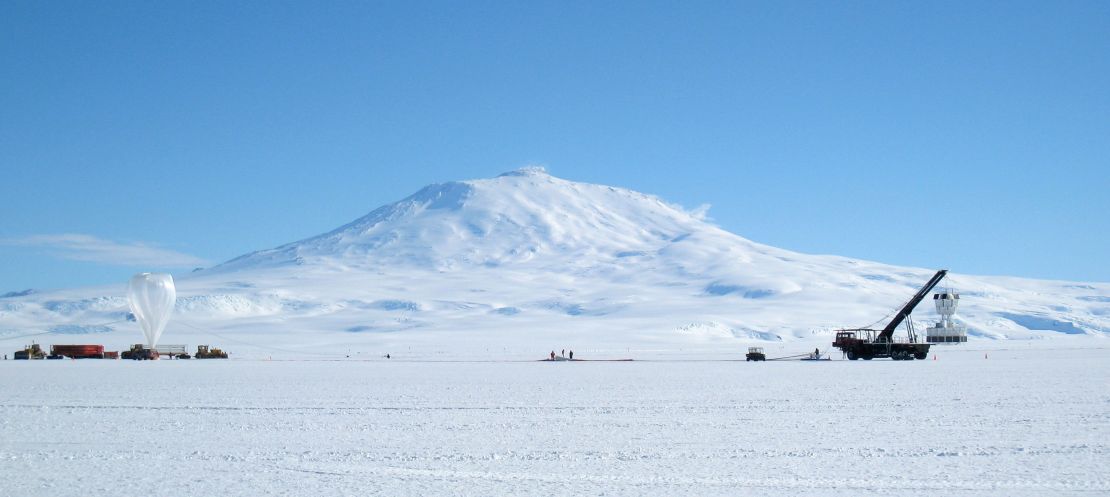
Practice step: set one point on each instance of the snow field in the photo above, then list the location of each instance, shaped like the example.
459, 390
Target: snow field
1024, 421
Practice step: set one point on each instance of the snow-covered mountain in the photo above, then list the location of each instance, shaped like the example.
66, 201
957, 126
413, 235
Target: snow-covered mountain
528, 260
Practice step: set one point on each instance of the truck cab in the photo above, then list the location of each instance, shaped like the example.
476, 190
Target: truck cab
847, 339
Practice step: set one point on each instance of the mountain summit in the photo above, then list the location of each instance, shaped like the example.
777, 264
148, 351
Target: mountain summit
522, 216
527, 258
530, 222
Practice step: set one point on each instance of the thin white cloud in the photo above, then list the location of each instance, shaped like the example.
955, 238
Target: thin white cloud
701, 212
79, 247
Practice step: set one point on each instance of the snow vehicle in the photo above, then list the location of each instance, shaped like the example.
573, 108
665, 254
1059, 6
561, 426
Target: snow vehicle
203, 352
139, 352
33, 351
867, 343
816, 355
756, 354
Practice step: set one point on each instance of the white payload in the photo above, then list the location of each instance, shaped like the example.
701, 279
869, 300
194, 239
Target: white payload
152, 297
946, 330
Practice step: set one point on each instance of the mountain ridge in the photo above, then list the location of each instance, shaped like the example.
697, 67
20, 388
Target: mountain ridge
505, 209
526, 257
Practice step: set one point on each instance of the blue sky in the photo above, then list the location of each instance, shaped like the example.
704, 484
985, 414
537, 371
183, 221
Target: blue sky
166, 135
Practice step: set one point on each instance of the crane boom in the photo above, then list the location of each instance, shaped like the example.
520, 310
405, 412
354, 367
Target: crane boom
888, 332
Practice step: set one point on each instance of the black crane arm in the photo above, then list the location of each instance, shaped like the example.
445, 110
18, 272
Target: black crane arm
888, 332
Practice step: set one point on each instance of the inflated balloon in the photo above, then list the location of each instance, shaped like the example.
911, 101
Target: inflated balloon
152, 296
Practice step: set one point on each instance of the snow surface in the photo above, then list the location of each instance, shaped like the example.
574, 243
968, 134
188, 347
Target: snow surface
461, 279
515, 265
1022, 418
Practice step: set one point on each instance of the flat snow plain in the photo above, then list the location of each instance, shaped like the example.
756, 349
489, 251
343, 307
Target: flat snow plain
1025, 420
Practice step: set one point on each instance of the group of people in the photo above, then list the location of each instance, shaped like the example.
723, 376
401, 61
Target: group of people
563, 354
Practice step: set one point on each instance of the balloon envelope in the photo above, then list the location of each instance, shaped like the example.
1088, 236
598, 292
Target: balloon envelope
152, 296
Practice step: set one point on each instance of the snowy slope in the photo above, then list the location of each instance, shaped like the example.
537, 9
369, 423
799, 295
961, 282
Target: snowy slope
528, 260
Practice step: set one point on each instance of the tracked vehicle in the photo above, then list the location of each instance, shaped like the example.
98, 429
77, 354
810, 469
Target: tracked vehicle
204, 352
30, 352
867, 343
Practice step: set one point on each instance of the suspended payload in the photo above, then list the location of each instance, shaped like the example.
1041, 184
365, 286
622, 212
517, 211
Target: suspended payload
946, 330
152, 297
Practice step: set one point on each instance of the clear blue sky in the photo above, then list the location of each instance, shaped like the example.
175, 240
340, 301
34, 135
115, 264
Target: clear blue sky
967, 135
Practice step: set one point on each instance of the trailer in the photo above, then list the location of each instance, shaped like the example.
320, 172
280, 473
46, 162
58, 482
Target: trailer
78, 351
867, 343
174, 351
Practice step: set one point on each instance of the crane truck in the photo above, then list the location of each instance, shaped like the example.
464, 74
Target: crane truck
867, 344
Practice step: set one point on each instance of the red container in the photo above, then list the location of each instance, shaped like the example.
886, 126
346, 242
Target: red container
78, 351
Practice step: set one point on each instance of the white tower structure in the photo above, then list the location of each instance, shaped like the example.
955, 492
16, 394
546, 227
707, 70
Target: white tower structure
946, 330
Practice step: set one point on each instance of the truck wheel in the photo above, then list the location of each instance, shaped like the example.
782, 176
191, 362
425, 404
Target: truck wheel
852, 355
921, 356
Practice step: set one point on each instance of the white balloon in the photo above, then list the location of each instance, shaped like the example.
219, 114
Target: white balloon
152, 296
